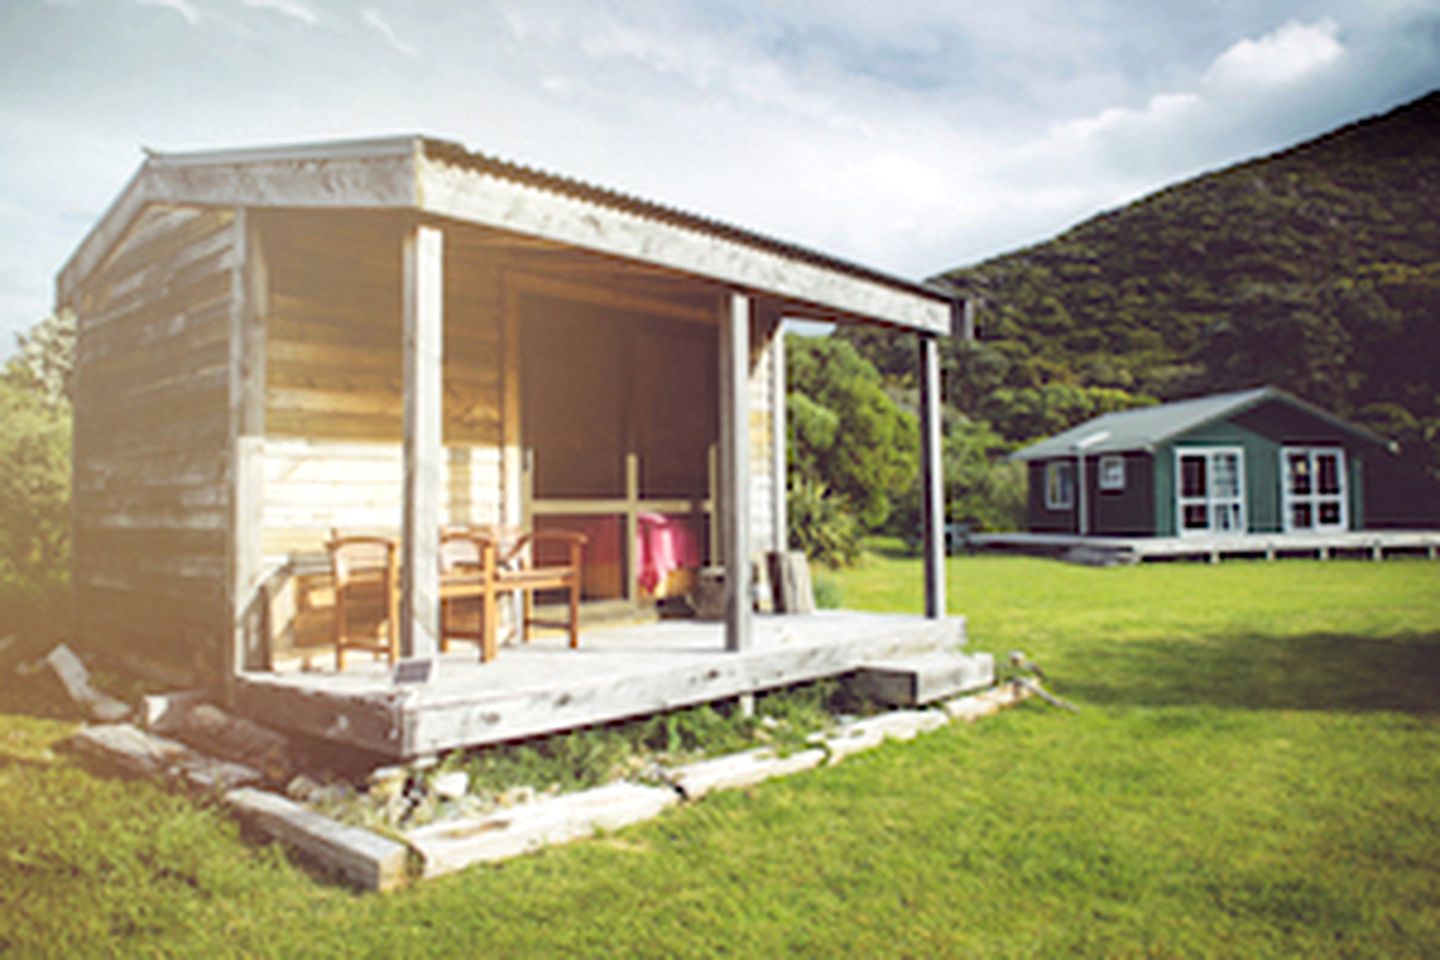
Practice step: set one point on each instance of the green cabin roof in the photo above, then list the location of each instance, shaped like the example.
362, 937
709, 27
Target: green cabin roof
1145, 428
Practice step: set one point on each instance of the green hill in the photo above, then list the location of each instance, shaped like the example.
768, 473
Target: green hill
1316, 269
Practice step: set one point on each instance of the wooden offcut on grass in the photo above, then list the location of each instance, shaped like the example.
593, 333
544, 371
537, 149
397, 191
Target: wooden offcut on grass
1255, 772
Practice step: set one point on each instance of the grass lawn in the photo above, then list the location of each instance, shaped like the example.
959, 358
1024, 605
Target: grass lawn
1256, 772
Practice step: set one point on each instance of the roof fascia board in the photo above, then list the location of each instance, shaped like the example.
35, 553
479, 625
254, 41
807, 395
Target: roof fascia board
353, 174
371, 148
108, 231
479, 197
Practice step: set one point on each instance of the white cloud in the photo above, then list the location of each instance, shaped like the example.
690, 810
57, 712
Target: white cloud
374, 21
1283, 55
182, 7
289, 8
1163, 108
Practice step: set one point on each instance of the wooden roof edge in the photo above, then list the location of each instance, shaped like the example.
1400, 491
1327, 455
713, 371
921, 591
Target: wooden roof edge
451, 152
206, 177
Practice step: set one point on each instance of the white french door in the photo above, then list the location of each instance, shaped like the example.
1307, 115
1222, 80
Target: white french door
1209, 490
1313, 487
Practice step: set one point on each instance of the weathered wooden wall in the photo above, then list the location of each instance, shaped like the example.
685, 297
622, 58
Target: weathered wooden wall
151, 439
333, 417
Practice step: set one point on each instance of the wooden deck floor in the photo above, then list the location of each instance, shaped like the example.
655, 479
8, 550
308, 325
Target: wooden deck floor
1368, 544
544, 687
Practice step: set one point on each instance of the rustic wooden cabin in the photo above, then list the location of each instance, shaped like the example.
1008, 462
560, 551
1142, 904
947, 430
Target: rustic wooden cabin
395, 335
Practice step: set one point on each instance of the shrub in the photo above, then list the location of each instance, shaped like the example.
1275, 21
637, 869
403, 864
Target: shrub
822, 525
34, 511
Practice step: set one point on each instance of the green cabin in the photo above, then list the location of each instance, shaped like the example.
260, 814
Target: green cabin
1255, 461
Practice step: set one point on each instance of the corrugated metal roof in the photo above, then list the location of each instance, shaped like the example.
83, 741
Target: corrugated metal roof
456, 154
1147, 427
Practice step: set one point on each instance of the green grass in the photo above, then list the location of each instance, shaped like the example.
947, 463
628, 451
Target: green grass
1255, 772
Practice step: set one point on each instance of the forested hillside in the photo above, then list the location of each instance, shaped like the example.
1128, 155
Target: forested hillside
1316, 269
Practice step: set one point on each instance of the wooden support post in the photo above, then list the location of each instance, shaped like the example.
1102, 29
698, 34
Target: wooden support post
712, 487
777, 438
631, 553
244, 556
423, 256
932, 504
735, 467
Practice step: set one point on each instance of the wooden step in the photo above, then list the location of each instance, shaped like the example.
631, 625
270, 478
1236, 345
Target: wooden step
924, 678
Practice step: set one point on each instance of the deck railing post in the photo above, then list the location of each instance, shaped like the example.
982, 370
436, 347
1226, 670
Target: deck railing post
423, 257
735, 467
932, 508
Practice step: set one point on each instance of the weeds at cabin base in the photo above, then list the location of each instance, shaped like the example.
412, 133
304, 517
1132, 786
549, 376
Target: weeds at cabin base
638, 749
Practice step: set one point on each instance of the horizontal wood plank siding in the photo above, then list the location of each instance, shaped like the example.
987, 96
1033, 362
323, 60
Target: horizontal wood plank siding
312, 486
151, 439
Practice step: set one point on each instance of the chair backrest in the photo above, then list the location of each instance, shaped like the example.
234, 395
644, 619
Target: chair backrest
352, 556
458, 549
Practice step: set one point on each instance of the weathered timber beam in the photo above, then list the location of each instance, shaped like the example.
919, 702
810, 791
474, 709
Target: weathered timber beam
735, 466
246, 378
933, 485
492, 201
423, 256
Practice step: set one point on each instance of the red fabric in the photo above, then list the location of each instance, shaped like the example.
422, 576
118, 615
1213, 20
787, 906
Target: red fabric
666, 544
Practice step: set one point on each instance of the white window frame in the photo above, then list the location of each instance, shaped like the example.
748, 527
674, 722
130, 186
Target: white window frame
1289, 499
1234, 506
1112, 471
1053, 470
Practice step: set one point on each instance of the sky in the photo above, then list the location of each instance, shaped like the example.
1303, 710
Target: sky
913, 136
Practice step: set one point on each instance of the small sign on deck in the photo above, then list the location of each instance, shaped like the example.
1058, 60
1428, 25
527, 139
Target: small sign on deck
411, 672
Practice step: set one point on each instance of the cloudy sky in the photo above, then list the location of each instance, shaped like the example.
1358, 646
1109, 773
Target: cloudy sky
912, 135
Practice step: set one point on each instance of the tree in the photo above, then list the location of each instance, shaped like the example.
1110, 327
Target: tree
35, 478
845, 433
44, 360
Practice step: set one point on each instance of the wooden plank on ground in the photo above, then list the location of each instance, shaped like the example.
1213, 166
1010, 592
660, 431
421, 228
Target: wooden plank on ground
133, 750
447, 847
900, 724
364, 859
740, 770
236, 738
76, 680
989, 702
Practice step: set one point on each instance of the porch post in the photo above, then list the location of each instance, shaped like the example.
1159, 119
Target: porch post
249, 294
735, 467
932, 498
422, 254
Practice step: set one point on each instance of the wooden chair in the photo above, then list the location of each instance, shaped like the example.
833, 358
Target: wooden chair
367, 579
486, 568
462, 562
